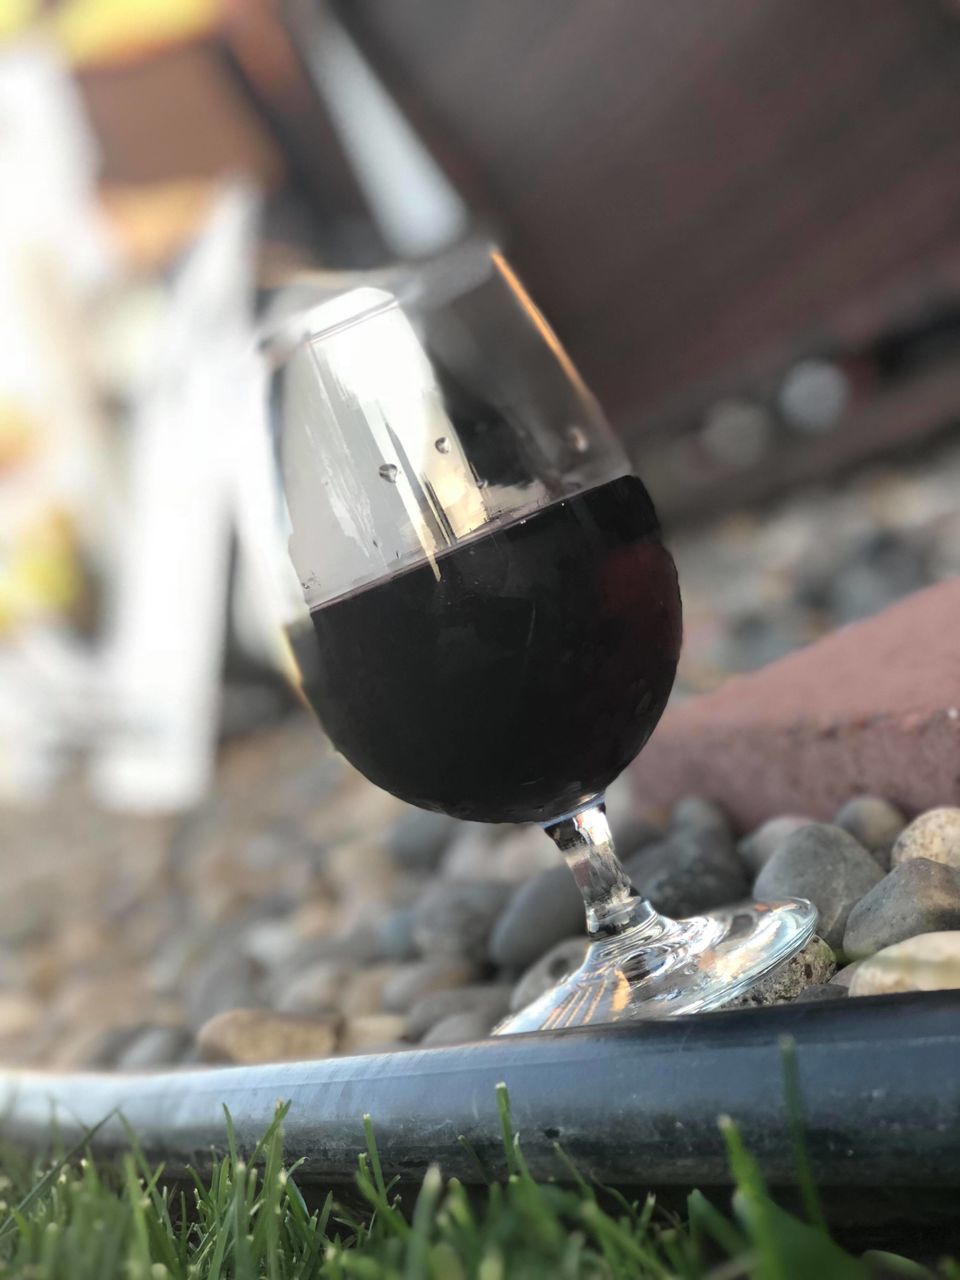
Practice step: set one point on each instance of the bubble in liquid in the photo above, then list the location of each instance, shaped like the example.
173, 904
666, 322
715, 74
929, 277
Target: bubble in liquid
442, 445
389, 472
577, 438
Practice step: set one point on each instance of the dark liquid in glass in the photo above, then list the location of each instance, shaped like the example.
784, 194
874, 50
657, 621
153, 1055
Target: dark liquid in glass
517, 677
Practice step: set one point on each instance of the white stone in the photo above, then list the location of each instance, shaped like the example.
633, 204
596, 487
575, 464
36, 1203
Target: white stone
935, 835
928, 962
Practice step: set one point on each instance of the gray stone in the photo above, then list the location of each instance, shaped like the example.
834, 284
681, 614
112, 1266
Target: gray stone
508, 854
689, 872
883, 568
821, 991
456, 919
757, 848
826, 865
154, 1047
459, 1028
467, 855
697, 814
843, 977
270, 943
918, 896
812, 966
394, 934
935, 835
226, 979
875, 823
411, 982
90, 1048
418, 839
549, 970
541, 913
492, 1002
315, 989
631, 838
630, 831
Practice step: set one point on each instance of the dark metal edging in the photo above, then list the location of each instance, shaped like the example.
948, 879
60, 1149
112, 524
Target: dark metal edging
879, 1081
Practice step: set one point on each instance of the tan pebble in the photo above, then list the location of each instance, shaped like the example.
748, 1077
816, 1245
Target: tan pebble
20, 1014
80, 942
928, 962
362, 993
371, 1032
935, 835
42, 970
360, 866
255, 1035
102, 1002
316, 918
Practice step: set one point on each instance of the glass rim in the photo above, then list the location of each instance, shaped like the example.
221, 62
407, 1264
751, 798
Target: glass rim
425, 285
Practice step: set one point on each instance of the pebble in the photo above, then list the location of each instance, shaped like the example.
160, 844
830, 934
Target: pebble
508, 854
630, 831
255, 1035
820, 991
226, 979
91, 1048
411, 982
843, 977
689, 872
490, 1001
154, 1047
550, 969
630, 838
459, 1028
825, 865
874, 822
315, 989
362, 991
929, 962
757, 848
372, 1033
95, 1003
455, 919
20, 1014
698, 814
541, 913
394, 934
918, 896
812, 966
935, 835
418, 838
467, 855
270, 943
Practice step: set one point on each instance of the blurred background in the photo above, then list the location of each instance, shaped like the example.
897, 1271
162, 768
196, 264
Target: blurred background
743, 220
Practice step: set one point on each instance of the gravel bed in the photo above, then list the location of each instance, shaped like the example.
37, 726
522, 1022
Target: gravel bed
303, 913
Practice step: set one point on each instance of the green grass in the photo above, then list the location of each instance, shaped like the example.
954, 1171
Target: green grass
247, 1219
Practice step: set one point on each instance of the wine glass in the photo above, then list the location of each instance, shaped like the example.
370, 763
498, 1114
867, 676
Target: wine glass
492, 621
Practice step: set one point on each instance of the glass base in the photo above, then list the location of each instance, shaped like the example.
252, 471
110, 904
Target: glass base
657, 968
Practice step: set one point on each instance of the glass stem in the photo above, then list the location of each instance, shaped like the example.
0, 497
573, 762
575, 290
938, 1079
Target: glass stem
611, 904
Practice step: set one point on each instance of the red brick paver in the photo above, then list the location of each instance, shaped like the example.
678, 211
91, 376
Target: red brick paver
873, 707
